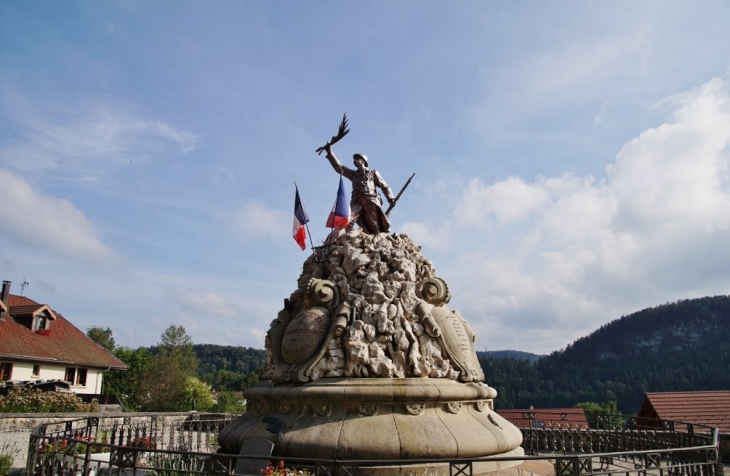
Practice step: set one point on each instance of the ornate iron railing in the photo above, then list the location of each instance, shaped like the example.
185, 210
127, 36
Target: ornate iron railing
158, 446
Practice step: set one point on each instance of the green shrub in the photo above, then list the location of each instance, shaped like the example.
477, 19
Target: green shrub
7, 456
29, 400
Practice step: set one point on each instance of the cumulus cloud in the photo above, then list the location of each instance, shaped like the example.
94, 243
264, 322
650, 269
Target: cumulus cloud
32, 218
656, 228
86, 144
508, 200
426, 234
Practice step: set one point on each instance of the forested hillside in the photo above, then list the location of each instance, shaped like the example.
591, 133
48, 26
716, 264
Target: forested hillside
509, 354
673, 347
227, 367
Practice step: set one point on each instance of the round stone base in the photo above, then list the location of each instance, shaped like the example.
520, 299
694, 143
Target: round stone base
374, 419
443, 469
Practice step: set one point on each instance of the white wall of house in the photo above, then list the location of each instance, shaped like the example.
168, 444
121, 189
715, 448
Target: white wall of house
23, 370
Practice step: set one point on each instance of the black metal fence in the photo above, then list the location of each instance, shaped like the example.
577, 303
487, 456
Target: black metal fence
156, 446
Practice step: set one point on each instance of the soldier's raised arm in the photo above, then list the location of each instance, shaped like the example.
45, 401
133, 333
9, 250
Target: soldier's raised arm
336, 164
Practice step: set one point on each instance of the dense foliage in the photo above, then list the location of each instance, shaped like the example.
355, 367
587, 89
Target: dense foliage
229, 368
681, 346
30, 400
175, 373
163, 380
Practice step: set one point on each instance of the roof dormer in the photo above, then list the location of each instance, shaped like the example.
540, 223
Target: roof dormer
36, 317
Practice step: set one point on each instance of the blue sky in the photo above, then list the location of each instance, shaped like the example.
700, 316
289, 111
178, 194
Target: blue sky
571, 158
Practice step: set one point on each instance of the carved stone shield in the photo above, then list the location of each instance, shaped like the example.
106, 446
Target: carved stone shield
305, 334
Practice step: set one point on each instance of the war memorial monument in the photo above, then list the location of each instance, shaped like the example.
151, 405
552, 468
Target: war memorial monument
366, 361
368, 373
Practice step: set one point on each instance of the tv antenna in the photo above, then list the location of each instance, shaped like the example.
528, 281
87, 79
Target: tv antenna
23, 285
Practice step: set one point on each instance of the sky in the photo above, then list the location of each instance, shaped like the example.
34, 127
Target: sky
571, 158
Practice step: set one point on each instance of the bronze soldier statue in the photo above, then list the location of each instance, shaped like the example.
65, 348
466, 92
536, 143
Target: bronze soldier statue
365, 203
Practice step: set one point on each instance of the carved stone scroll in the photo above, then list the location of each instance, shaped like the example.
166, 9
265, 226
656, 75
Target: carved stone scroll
323, 293
434, 291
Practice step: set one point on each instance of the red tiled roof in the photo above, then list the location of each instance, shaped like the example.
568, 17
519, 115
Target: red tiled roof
711, 408
547, 417
64, 344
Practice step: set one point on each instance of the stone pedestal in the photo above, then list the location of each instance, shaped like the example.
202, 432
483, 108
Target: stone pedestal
366, 363
375, 419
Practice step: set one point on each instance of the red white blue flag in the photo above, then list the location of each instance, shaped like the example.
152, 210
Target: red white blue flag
340, 214
300, 219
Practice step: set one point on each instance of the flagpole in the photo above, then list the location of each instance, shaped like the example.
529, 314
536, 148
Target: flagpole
311, 244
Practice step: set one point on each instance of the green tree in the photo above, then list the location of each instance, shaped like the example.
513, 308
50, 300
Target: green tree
125, 384
103, 337
198, 395
162, 386
177, 344
229, 402
601, 415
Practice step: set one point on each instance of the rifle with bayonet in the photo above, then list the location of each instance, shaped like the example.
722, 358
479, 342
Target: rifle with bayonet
397, 197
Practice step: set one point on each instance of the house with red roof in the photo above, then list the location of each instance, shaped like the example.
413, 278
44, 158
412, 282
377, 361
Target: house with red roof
709, 408
39, 344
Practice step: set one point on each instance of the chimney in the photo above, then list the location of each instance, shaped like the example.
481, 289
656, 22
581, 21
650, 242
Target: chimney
5, 293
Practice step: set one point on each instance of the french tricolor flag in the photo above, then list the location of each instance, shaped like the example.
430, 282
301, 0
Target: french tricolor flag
340, 214
300, 220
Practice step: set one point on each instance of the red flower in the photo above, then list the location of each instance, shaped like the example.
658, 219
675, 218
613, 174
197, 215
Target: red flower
142, 442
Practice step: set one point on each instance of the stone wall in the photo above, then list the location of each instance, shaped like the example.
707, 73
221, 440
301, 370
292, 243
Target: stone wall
15, 428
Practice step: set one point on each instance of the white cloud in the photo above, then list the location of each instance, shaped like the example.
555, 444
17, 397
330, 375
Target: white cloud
427, 234
88, 144
32, 218
508, 200
656, 229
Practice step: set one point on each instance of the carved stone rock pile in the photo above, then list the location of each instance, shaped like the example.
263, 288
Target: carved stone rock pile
369, 306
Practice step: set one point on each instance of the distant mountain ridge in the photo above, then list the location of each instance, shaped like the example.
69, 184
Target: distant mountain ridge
509, 354
679, 346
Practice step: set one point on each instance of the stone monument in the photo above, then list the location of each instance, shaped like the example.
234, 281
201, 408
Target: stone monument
366, 362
